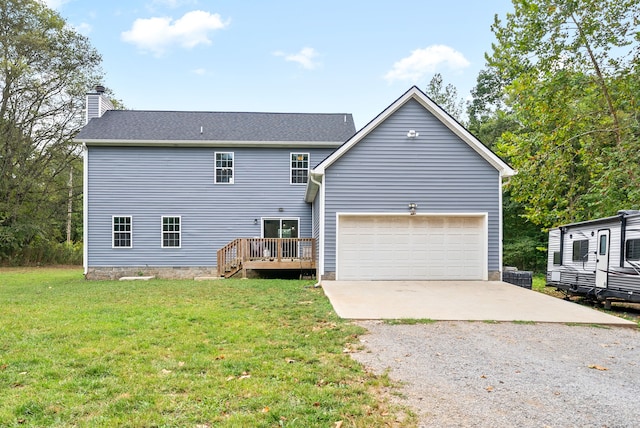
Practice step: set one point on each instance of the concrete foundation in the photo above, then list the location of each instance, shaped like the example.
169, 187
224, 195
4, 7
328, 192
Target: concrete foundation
114, 273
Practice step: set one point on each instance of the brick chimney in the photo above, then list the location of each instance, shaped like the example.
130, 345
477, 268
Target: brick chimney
97, 103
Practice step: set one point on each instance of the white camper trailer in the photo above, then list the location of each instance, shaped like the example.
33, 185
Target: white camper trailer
599, 258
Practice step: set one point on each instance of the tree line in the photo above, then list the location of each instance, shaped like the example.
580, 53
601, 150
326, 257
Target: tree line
45, 70
557, 100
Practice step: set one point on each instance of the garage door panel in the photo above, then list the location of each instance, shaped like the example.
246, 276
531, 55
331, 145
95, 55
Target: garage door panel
411, 247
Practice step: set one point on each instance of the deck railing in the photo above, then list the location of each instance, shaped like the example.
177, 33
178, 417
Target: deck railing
266, 253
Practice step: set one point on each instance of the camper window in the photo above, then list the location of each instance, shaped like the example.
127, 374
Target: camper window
633, 249
580, 250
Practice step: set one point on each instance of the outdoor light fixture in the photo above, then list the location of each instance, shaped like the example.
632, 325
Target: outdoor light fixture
412, 133
255, 221
412, 208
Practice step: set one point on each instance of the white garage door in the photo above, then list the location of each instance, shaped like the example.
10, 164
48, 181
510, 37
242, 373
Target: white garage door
411, 248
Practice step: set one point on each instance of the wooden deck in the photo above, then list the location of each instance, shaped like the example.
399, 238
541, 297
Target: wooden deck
266, 253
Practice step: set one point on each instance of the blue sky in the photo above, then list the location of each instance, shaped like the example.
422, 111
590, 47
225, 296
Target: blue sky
282, 55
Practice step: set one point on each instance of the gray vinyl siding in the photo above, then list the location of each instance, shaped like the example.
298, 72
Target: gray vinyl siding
316, 222
386, 171
316, 216
148, 183
97, 105
93, 107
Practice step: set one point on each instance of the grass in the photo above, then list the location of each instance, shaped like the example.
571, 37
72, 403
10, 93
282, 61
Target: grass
232, 353
539, 283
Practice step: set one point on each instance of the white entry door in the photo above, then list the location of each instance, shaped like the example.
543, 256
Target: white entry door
602, 258
392, 247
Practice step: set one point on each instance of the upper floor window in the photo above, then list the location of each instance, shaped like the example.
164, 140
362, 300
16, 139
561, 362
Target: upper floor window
299, 168
121, 232
224, 167
170, 232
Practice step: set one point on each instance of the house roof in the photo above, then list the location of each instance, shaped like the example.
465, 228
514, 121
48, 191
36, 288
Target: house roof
137, 127
412, 94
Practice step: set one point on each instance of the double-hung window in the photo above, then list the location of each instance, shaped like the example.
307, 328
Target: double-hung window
224, 167
299, 168
171, 233
121, 232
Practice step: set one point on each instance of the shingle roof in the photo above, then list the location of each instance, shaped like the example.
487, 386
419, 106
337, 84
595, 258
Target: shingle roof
135, 125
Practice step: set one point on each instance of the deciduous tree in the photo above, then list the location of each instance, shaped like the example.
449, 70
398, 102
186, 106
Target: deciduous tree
445, 96
45, 69
571, 72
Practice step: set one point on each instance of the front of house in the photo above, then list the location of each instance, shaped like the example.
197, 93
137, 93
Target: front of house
412, 195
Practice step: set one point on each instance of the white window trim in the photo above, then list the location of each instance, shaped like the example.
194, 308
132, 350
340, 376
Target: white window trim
291, 168
262, 219
215, 167
162, 232
113, 233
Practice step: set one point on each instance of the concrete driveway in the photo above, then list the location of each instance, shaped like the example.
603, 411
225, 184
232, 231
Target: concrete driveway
456, 301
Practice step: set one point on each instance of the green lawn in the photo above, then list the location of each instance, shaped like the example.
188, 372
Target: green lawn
228, 353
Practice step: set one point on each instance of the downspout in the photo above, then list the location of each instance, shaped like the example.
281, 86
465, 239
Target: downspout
85, 209
314, 181
320, 231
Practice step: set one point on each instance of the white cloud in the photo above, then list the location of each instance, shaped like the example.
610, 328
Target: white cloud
157, 35
173, 4
84, 28
426, 61
304, 57
199, 71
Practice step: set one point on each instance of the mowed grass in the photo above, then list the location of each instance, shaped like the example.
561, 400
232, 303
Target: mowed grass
227, 353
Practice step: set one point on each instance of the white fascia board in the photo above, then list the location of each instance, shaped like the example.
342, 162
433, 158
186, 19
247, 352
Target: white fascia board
192, 143
415, 93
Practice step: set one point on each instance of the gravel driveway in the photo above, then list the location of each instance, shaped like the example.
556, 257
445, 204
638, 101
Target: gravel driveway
475, 374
